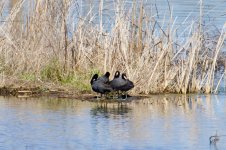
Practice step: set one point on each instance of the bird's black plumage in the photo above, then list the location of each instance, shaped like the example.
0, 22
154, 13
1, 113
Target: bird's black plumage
121, 83
101, 85
105, 77
128, 85
117, 82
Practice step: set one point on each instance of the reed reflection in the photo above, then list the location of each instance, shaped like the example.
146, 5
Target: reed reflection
45, 104
175, 121
161, 105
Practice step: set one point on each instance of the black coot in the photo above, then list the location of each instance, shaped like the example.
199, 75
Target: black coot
105, 78
117, 82
101, 85
121, 83
128, 84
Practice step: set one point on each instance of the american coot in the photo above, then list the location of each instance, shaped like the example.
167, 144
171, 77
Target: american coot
101, 85
129, 84
105, 78
121, 83
117, 82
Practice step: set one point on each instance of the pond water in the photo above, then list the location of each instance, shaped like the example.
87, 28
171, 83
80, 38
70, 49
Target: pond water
161, 122
184, 12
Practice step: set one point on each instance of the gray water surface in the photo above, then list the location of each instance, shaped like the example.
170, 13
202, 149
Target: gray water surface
159, 122
184, 12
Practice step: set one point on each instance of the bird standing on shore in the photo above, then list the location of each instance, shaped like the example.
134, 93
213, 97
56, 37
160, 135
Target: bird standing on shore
117, 81
101, 85
127, 86
121, 83
105, 77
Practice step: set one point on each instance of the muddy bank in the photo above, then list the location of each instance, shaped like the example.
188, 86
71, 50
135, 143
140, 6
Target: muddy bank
21, 88
24, 92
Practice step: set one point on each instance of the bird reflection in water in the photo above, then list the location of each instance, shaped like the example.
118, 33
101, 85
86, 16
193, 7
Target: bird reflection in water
107, 110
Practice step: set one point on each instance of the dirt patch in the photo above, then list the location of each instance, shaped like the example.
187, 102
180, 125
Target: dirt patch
21, 88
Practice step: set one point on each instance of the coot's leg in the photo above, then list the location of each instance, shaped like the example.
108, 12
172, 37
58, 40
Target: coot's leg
124, 95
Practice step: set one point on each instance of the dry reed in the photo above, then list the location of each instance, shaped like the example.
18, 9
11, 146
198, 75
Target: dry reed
50, 44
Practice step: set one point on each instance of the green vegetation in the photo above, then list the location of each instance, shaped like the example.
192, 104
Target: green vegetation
28, 77
54, 72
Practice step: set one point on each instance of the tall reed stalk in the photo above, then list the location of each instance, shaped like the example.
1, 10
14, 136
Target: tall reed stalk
152, 54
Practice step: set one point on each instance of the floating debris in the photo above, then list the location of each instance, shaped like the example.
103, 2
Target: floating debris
215, 138
24, 93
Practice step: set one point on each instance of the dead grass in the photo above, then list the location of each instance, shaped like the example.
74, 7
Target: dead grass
155, 58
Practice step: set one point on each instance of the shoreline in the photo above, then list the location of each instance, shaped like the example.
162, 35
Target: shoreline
22, 88
35, 89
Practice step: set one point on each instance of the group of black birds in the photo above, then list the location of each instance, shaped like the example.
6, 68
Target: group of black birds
119, 83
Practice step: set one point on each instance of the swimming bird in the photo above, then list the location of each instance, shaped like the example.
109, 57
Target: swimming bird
101, 85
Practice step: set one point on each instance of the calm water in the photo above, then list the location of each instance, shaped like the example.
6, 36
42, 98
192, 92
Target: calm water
160, 122
184, 11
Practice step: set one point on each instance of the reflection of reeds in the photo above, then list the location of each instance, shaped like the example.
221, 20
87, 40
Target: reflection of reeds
50, 47
110, 109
